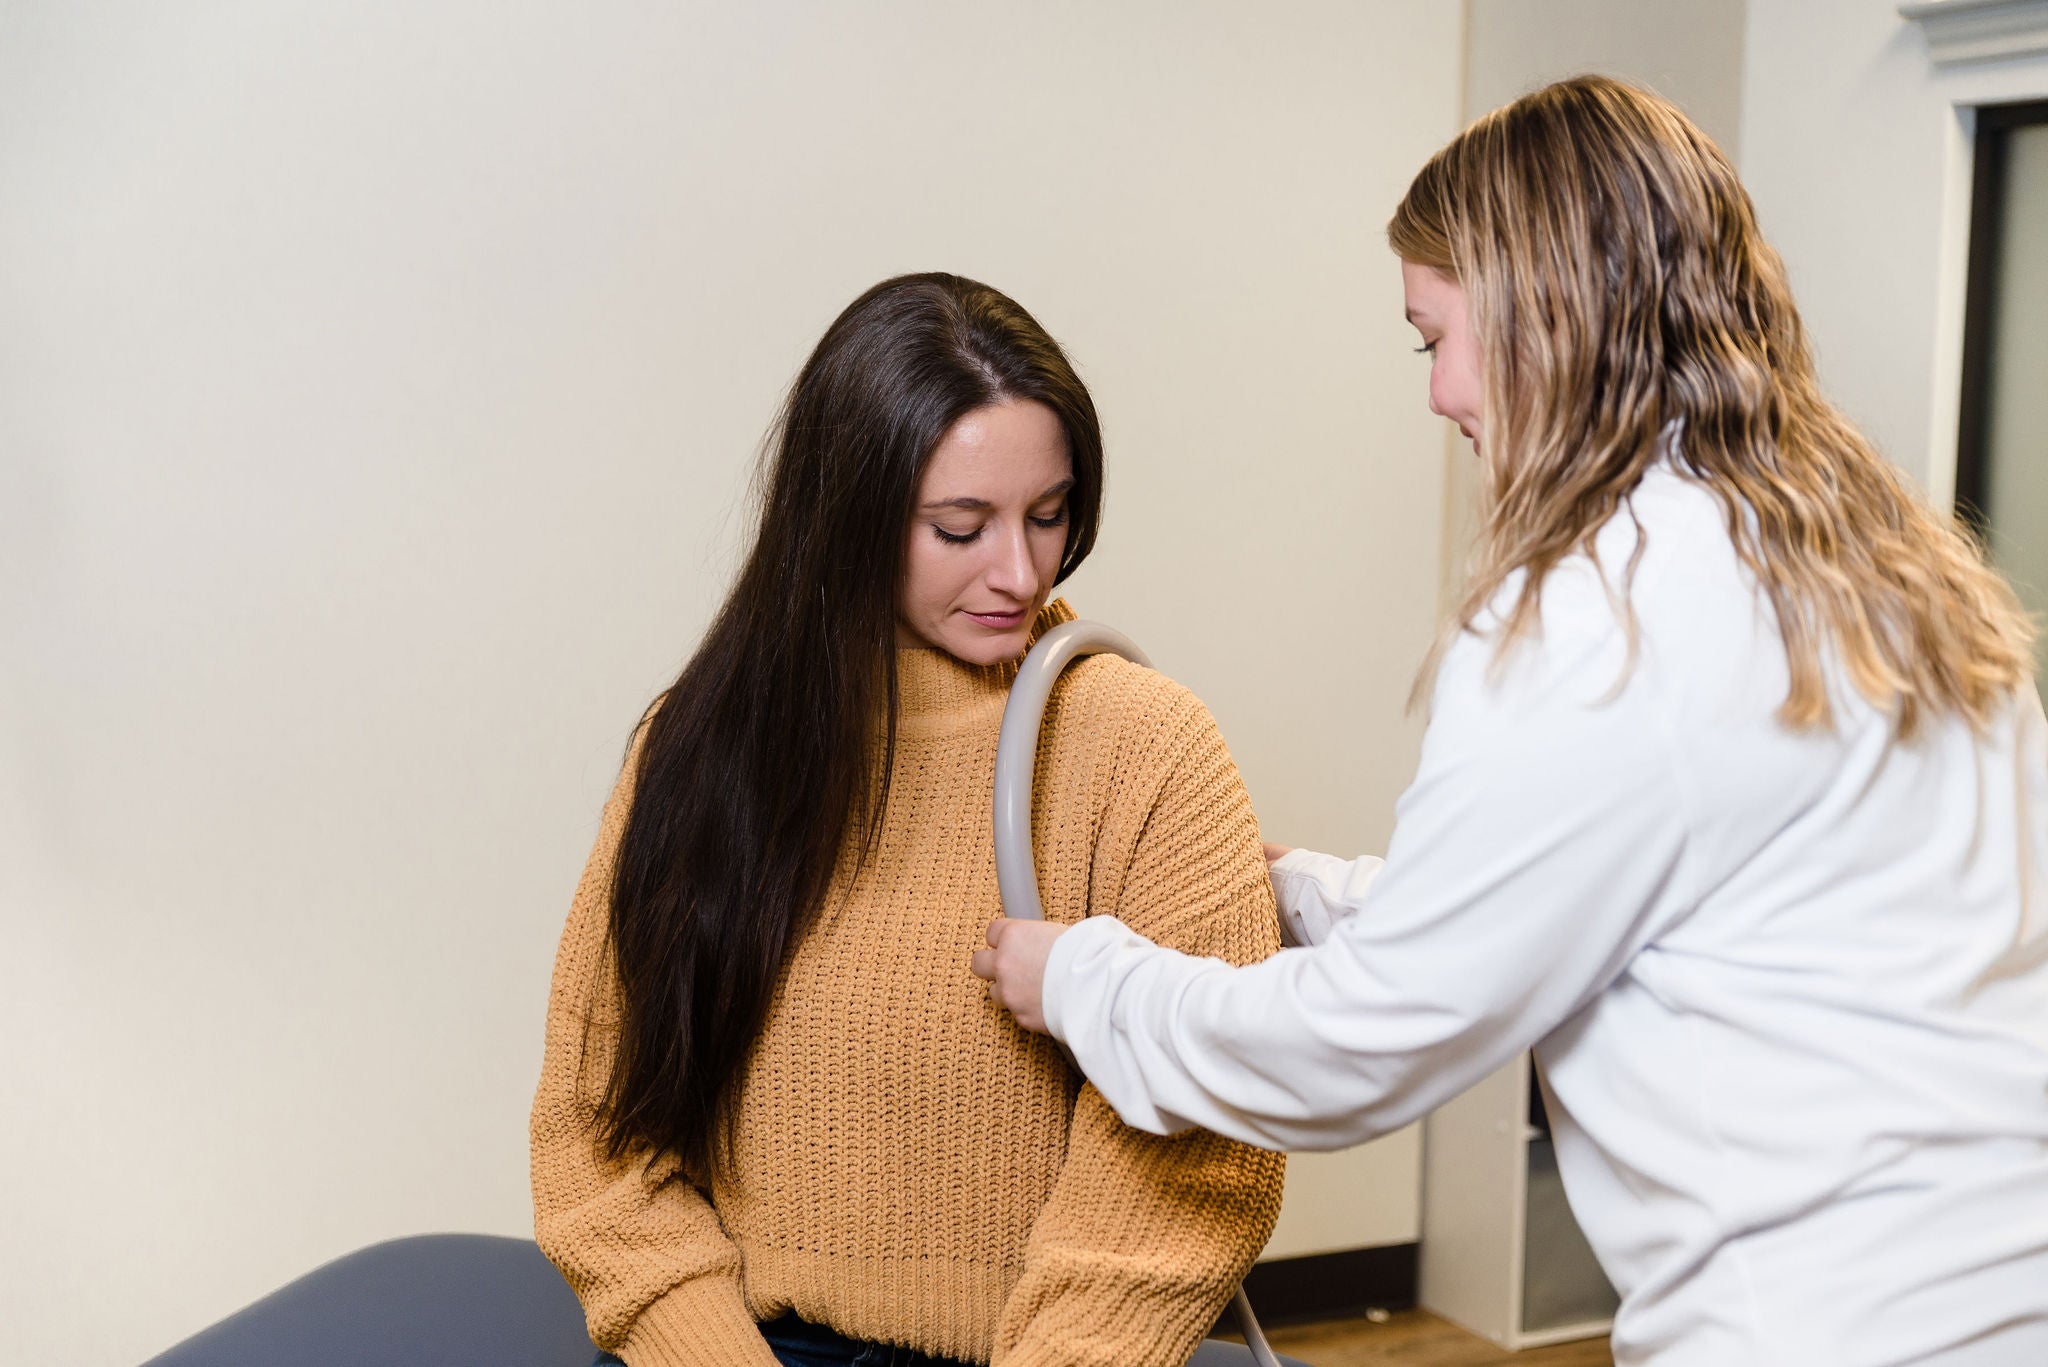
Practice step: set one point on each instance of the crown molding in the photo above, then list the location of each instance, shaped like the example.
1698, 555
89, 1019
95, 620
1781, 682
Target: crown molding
1966, 32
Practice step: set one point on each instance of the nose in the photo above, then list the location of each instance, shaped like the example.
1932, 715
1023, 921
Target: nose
1011, 571
1434, 406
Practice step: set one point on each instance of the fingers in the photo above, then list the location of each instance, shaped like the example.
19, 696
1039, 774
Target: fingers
1014, 971
983, 965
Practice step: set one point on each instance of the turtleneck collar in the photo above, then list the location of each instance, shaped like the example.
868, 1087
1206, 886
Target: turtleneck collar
930, 684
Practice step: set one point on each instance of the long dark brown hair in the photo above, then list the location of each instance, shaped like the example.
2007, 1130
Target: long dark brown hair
772, 751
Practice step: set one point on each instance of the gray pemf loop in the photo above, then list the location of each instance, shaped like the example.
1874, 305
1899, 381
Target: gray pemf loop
1016, 768
1017, 752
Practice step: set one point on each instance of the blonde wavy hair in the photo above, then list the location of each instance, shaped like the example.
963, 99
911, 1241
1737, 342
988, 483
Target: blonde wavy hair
1616, 281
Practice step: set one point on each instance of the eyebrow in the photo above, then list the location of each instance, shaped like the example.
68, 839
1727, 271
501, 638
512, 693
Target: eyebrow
981, 505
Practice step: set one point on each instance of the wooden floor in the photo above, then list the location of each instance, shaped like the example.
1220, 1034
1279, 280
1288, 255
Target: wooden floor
1416, 1338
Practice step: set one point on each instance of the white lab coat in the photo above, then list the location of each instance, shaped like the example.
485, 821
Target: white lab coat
1788, 991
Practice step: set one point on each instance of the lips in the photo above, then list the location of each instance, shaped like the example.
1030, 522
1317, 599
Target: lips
1000, 621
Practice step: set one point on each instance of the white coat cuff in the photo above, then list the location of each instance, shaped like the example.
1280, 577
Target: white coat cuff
1315, 891
1058, 988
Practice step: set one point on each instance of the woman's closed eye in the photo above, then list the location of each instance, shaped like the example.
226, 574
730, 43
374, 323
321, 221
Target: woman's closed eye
1048, 521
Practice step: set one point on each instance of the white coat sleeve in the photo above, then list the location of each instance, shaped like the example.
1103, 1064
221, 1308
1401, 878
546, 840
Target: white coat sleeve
1542, 844
1315, 891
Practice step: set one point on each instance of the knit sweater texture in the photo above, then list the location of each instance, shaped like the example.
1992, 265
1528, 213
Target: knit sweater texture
910, 1167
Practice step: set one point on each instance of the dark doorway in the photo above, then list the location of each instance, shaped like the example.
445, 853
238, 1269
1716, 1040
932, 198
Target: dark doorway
2002, 443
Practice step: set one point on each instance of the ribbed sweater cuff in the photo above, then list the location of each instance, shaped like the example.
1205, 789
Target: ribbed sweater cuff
1113, 1326
701, 1323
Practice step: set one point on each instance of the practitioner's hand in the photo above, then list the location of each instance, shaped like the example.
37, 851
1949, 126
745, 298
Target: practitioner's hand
1014, 964
1275, 853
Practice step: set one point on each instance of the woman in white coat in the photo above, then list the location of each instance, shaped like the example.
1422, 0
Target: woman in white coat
1733, 805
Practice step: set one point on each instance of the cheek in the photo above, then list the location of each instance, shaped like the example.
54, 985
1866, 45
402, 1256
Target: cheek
1467, 384
919, 570
1047, 547
1446, 394
936, 576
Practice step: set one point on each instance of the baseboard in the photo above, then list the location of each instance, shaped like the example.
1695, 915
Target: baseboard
1332, 1286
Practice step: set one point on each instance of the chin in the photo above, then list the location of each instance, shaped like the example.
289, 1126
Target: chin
982, 649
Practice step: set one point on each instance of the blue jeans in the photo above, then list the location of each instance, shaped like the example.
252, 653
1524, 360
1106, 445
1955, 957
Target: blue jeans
799, 1343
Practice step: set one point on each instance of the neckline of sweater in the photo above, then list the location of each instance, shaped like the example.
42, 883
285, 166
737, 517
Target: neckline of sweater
933, 686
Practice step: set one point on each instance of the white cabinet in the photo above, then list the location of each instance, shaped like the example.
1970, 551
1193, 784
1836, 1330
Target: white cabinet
1501, 1254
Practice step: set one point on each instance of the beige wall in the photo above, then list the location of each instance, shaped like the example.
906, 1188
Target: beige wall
378, 387
1689, 51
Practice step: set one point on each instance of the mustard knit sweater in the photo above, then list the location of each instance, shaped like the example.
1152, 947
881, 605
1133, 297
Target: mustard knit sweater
910, 1167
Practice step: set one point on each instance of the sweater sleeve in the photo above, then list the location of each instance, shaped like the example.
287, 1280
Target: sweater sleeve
1145, 1238
639, 1244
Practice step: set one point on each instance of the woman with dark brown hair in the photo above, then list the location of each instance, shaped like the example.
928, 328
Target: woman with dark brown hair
776, 1123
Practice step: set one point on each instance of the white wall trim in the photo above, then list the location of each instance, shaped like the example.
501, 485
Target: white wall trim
1963, 32
1946, 405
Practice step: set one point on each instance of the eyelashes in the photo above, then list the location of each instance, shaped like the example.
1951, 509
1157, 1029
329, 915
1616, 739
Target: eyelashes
1429, 349
1058, 519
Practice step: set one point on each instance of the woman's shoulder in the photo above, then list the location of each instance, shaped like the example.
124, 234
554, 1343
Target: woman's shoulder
1666, 553
1124, 693
1109, 688
1130, 726
1659, 613
1130, 716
